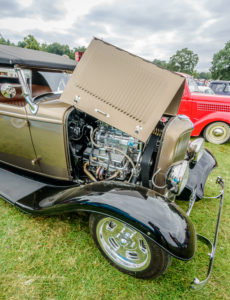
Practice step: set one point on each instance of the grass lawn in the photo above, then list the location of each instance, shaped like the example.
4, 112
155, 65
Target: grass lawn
55, 257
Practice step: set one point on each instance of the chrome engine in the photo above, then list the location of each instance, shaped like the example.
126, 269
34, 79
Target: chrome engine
111, 152
100, 152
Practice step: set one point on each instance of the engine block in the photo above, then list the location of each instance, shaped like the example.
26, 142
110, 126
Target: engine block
111, 154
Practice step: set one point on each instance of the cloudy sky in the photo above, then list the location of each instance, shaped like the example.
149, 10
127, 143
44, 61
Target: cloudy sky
150, 28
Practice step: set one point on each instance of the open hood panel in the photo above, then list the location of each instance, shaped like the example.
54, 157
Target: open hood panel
123, 90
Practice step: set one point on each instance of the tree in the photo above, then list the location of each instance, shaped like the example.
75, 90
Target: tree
205, 75
21, 44
57, 48
30, 42
80, 49
43, 47
221, 63
160, 63
183, 61
195, 74
4, 41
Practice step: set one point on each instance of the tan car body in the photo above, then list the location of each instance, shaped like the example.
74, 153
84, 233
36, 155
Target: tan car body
43, 140
38, 142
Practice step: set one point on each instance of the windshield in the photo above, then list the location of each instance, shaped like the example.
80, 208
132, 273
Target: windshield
193, 87
56, 81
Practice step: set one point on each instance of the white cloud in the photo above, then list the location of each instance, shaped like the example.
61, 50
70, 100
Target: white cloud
150, 28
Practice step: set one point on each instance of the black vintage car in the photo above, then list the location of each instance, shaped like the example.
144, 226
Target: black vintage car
111, 144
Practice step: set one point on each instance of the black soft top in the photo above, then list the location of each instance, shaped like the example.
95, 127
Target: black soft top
10, 55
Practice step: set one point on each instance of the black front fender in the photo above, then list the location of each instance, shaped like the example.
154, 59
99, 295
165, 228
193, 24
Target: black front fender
150, 213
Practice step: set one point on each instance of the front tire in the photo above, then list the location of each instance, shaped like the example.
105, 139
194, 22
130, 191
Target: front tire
217, 133
127, 249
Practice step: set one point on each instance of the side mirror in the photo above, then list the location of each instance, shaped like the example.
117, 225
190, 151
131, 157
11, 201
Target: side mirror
177, 177
8, 91
26, 90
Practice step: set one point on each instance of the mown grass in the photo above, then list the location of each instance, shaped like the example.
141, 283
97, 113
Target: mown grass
55, 257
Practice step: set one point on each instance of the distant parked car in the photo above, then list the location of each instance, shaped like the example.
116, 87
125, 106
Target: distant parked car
205, 90
210, 114
220, 87
201, 82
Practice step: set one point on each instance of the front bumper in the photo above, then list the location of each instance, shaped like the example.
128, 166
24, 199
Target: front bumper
197, 284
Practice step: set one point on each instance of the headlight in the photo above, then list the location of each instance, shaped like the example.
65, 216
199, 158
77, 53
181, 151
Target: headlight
195, 150
177, 176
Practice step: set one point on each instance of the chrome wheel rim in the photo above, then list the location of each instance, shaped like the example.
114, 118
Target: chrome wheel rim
123, 245
218, 133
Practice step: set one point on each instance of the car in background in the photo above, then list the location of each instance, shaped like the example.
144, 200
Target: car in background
221, 87
205, 89
210, 114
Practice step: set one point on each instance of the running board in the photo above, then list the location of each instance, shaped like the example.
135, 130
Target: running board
14, 187
16, 184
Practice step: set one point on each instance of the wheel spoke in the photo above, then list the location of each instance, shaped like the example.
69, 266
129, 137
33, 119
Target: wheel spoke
132, 255
114, 243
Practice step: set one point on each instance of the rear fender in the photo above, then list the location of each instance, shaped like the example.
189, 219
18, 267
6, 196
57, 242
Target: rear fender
143, 209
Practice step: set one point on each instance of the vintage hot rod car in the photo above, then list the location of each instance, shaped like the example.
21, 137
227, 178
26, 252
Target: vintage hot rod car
111, 145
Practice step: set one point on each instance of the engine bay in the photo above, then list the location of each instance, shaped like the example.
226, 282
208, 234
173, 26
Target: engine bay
100, 152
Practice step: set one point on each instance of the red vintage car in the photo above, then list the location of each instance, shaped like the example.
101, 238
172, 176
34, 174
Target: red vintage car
210, 114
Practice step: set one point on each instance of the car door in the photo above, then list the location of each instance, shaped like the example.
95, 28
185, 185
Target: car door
16, 146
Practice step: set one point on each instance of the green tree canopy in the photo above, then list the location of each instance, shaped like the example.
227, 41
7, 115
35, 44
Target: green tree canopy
160, 63
184, 61
205, 75
21, 44
80, 49
29, 42
58, 49
4, 41
221, 63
